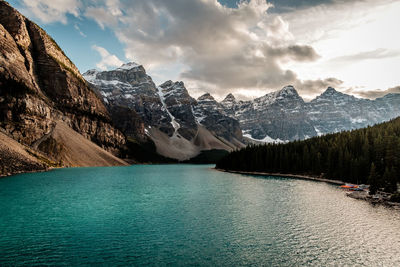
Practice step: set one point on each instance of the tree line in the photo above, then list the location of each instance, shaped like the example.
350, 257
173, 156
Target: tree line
365, 156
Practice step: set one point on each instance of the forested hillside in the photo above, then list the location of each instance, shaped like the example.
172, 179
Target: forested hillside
370, 155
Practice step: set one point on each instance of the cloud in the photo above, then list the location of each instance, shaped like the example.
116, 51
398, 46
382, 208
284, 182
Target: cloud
372, 54
221, 48
53, 10
79, 30
372, 94
294, 52
310, 88
107, 59
248, 49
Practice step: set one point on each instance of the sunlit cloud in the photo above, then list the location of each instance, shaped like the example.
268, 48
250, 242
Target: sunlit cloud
107, 59
53, 10
250, 49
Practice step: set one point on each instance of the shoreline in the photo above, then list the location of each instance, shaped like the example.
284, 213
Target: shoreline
354, 194
287, 175
48, 169
32, 171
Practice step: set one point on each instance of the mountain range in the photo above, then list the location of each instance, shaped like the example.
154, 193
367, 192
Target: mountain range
172, 118
52, 116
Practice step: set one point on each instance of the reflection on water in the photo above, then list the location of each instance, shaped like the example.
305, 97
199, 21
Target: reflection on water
184, 214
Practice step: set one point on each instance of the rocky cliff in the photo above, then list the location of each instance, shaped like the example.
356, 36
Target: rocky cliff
179, 125
40, 86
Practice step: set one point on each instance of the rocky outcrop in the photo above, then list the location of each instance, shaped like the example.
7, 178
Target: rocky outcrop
39, 86
179, 126
276, 116
129, 86
129, 122
333, 111
208, 113
179, 104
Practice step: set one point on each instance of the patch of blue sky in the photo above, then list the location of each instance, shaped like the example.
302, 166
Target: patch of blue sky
78, 47
77, 38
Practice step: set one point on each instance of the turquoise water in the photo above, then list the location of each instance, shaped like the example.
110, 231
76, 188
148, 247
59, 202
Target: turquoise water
188, 215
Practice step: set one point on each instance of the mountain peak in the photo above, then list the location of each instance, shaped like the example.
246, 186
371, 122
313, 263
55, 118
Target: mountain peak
330, 90
229, 98
288, 91
90, 75
176, 85
206, 97
128, 66
168, 83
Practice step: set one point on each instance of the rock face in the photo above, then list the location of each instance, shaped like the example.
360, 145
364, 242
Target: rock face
179, 125
129, 86
279, 115
284, 116
208, 112
178, 104
276, 117
39, 85
333, 111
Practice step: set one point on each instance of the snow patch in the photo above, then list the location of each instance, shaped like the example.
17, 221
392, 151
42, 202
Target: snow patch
359, 120
90, 75
319, 133
128, 66
266, 139
174, 123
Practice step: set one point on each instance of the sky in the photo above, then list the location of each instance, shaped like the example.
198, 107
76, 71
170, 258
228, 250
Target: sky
248, 48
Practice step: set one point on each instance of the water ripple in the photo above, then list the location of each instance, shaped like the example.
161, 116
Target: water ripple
188, 215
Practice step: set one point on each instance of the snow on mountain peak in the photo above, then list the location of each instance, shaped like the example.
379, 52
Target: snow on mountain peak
90, 75
332, 94
167, 84
206, 97
128, 66
229, 98
288, 90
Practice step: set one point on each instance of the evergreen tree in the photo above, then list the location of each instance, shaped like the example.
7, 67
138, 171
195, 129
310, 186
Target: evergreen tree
370, 155
373, 180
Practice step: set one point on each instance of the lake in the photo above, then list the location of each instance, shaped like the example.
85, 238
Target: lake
188, 215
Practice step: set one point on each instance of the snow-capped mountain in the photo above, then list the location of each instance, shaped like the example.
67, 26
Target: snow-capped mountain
178, 104
170, 115
130, 86
209, 113
181, 126
277, 116
284, 116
